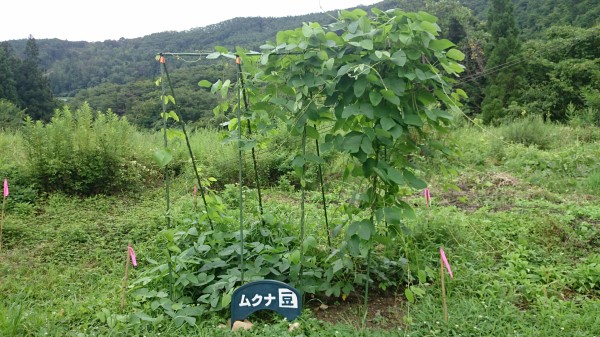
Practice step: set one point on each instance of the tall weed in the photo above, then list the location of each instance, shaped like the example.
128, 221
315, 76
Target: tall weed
531, 130
591, 184
11, 319
85, 153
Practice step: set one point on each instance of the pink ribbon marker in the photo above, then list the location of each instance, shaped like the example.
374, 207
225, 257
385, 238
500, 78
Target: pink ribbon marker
132, 254
446, 262
5, 188
427, 196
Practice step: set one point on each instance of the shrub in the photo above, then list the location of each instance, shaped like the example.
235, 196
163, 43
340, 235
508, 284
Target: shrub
531, 130
11, 117
84, 153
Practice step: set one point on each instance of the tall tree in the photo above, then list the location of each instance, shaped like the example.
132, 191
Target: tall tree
8, 64
33, 87
11, 117
503, 69
563, 73
460, 26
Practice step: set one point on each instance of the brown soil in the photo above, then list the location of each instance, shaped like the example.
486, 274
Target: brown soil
496, 188
385, 310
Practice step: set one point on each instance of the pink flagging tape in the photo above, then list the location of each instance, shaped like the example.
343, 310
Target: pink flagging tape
446, 262
132, 255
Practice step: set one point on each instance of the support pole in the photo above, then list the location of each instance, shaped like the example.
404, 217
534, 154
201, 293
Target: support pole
241, 205
320, 172
246, 107
167, 182
443, 291
187, 140
302, 210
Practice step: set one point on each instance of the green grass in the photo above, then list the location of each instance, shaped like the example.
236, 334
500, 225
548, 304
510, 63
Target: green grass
521, 229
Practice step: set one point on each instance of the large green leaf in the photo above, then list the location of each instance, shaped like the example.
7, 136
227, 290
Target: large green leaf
413, 119
343, 70
365, 230
306, 30
375, 98
427, 17
163, 157
366, 146
367, 44
390, 96
351, 143
393, 215
430, 27
367, 110
329, 64
359, 86
313, 158
179, 320
170, 114
399, 58
312, 132
440, 45
395, 176
409, 295
455, 54
351, 110
213, 55
413, 180
205, 84
387, 123
309, 242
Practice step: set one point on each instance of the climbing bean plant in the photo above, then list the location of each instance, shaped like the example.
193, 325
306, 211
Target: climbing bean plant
383, 83
380, 85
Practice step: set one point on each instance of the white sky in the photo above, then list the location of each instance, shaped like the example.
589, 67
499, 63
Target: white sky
82, 20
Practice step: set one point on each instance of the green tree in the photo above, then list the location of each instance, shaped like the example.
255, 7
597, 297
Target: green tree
8, 63
503, 68
33, 87
11, 117
562, 72
459, 25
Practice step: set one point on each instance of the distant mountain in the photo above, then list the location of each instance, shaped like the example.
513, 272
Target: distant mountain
534, 16
72, 66
118, 74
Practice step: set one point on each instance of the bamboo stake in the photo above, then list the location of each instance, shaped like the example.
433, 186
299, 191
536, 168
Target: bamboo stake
195, 198
443, 291
126, 276
4, 195
2, 222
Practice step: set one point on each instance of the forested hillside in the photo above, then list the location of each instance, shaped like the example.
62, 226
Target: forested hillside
533, 17
554, 54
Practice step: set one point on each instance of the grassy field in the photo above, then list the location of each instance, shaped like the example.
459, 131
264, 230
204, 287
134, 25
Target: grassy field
519, 221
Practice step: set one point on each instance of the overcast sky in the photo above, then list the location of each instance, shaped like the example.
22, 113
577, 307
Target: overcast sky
83, 20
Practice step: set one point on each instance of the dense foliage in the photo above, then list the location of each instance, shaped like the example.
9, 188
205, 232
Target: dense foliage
85, 153
24, 83
382, 86
503, 67
562, 72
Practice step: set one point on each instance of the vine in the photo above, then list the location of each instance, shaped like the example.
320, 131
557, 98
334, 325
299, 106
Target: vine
375, 89
379, 82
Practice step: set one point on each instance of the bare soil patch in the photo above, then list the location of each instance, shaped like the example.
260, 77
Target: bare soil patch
385, 310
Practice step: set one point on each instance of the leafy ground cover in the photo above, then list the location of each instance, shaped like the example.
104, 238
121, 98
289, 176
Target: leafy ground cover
520, 226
